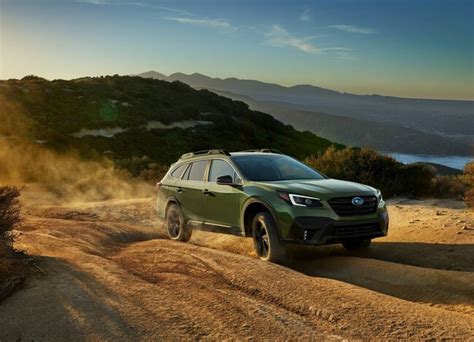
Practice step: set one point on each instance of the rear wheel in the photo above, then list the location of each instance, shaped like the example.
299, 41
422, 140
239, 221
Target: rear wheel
267, 244
357, 244
175, 225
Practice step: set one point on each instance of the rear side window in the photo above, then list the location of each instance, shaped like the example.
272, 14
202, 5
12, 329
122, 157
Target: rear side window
220, 168
197, 170
176, 173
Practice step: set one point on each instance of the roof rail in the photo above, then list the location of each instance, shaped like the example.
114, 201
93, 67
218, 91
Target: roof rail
264, 150
193, 154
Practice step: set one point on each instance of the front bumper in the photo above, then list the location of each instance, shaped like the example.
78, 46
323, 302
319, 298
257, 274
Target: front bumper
311, 230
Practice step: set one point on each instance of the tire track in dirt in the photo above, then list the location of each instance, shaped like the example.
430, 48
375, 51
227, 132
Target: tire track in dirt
267, 287
447, 289
117, 270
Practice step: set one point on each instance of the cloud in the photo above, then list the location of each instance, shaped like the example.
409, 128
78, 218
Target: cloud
134, 3
279, 37
305, 15
353, 29
213, 23
94, 2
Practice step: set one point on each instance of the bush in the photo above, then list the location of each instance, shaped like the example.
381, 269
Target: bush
369, 167
9, 209
468, 179
448, 187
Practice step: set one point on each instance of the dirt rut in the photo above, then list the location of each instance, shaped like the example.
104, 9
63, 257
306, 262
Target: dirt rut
108, 273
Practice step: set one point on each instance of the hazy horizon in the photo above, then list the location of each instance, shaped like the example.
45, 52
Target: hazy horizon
392, 48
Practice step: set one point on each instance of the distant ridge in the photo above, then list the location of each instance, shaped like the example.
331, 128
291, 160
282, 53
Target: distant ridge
437, 127
153, 74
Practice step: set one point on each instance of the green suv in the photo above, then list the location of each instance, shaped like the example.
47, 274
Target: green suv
270, 197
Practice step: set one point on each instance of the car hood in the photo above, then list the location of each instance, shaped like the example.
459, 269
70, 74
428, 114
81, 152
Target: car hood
321, 187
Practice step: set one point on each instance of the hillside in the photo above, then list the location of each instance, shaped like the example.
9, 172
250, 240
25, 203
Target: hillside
438, 127
126, 117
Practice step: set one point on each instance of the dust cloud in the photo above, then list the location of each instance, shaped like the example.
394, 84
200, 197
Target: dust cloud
69, 177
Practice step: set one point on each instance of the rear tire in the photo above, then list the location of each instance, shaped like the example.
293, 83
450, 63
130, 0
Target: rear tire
357, 244
265, 237
177, 229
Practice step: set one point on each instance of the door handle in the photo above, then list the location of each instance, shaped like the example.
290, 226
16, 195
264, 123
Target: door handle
206, 192
179, 190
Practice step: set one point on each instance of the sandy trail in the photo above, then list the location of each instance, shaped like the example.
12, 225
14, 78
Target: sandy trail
109, 273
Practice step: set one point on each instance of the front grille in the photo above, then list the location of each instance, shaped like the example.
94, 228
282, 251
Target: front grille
343, 206
361, 230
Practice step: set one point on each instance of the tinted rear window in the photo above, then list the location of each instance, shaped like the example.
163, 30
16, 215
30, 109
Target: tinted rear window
197, 170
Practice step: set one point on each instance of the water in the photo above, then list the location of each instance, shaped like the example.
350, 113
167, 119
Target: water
456, 162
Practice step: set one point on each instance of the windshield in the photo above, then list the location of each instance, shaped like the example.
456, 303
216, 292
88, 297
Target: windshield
273, 168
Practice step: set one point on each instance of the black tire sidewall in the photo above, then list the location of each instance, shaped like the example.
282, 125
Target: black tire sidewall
276, 250
184, 231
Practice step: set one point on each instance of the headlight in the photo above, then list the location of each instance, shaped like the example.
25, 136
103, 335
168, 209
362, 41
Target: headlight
301, 200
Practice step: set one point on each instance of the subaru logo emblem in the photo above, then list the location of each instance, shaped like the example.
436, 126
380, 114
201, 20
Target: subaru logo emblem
358, 201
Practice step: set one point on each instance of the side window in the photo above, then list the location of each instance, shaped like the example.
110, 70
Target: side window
176, 173
197, 170
220, 168
186, 173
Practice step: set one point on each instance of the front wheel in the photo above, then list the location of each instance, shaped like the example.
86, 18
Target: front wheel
175, 225
357, 244
265, 237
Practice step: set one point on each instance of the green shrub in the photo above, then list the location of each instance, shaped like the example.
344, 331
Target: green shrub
369, 167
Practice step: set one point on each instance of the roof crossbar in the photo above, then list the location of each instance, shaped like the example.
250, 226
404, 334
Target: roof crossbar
202, 152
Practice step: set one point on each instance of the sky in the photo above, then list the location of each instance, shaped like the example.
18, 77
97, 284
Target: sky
407, 48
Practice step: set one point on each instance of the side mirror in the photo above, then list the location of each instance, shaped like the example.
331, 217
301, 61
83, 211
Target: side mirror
225, 180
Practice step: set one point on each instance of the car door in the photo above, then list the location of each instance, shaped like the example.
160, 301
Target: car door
189, 190
167, 188
221, 202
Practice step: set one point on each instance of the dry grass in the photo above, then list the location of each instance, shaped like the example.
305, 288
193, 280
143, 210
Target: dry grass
13, 265
9, 209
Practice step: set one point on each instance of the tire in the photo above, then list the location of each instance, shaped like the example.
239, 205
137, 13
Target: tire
357, 244
265, 237
177, 229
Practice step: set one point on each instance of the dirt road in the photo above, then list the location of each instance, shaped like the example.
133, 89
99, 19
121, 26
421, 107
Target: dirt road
108, 272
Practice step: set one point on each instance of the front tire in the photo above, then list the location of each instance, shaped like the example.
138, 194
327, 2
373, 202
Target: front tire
265, 237
177, 229
357, 244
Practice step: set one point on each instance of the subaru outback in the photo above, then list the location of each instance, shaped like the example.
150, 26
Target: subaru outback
270, 197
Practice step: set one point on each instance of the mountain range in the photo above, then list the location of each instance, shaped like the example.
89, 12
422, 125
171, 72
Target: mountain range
392, 124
